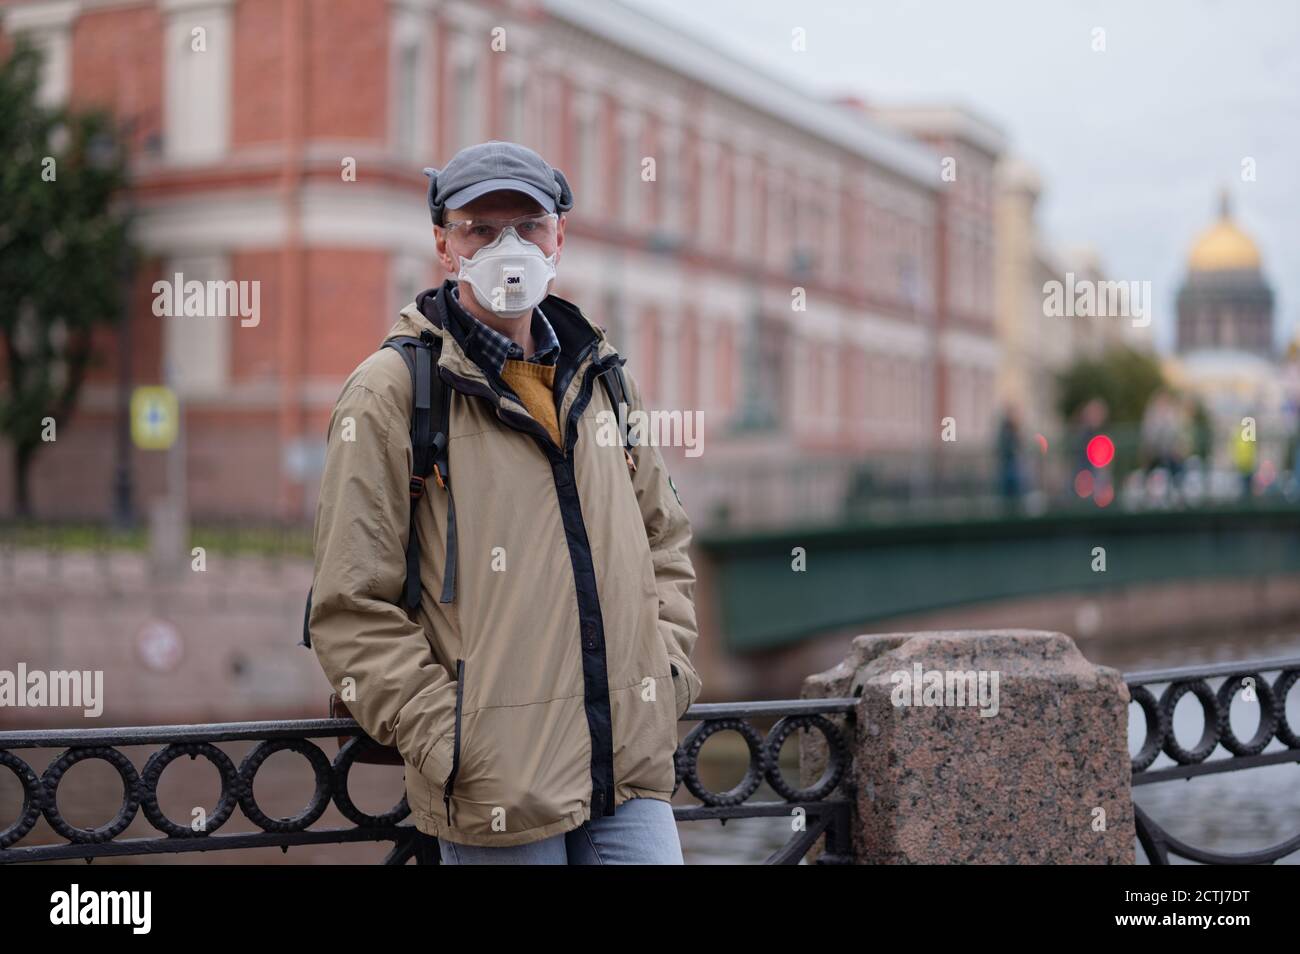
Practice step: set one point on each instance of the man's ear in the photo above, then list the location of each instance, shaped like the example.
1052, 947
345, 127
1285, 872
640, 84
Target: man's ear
443, 252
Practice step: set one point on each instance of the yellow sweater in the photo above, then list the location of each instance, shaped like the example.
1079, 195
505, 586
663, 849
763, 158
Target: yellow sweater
535, 385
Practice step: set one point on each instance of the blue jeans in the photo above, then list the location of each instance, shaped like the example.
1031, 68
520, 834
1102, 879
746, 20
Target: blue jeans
641, 832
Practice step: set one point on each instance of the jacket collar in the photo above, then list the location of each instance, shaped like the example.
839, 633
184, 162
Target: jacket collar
494, 348
577, 336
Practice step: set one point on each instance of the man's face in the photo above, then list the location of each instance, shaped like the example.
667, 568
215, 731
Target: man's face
453, 244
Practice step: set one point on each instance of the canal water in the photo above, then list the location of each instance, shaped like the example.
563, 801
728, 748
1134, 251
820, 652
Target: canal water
1234, 811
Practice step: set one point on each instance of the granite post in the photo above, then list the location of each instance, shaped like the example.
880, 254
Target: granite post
981, 747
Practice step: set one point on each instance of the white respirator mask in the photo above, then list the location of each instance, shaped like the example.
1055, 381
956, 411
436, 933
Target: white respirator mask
509, 276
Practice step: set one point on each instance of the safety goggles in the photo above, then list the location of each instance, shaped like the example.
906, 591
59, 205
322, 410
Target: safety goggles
538, 228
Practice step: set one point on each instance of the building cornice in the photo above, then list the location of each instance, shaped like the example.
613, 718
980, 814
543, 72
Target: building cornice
683, 56
953, 122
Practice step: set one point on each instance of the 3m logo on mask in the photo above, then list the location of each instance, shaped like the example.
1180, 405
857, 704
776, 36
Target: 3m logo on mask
512, 289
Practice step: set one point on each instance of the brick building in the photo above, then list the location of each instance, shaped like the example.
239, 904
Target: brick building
239, 150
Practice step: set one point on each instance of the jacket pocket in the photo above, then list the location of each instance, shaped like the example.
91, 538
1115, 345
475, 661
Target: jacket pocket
455, 750
680, 692
686, 684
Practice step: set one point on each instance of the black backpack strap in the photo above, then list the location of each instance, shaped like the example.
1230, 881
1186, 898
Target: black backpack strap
430, 415
422, 417
616, 387
438, 448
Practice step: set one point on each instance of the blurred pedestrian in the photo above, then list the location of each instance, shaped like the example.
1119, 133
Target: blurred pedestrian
1244, 457
1165, 436
1009, 452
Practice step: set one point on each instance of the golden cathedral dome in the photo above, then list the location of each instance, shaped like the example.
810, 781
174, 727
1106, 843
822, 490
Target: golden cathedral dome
1223, 246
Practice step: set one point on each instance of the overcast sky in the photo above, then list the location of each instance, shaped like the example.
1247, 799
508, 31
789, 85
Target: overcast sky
1132, 143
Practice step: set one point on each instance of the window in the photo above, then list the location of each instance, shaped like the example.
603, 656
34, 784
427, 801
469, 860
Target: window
667, 360
196, 348
48, 27
410, 84
742, 206
776, 226
829, 257
405, 107
801, 373
671, 181
775, 379
725, 363
196, 84
876, 388
706, 340
587, 108
466, 107
830, 383
516, 108
632, 200
708, 230
614, 322
550, 134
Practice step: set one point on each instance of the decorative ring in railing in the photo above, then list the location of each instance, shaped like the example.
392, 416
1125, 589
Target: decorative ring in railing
824, 811
825, 814
1216, 731
140, 790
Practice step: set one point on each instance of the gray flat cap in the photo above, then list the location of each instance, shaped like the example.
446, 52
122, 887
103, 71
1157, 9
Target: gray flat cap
489, 166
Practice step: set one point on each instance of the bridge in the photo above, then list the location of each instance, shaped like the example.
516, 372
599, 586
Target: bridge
855, 573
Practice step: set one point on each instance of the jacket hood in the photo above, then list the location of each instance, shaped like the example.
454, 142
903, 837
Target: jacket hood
582, 344
573, 329
410, 322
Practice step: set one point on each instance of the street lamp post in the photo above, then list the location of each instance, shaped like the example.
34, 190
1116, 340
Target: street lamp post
102, 152
123, 510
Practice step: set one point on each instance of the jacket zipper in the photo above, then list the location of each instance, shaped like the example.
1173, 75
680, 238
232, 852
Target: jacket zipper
455, 753
523, 423
593, 371
527, 424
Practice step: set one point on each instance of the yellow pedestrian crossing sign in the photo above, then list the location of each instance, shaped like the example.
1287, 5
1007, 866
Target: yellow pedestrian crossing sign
154, 418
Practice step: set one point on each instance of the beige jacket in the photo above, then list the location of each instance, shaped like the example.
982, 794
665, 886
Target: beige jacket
553, 681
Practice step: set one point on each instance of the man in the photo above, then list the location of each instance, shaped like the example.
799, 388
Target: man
535, 691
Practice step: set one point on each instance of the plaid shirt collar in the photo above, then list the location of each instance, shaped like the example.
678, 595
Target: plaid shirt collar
496, 347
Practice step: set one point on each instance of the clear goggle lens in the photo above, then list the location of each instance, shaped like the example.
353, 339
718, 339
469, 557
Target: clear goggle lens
476, 233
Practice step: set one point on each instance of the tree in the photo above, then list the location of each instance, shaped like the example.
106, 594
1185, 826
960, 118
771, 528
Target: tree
63, 254
1123, 377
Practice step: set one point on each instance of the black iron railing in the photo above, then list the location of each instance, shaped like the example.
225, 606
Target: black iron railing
1216, 733
825, 806
825, 810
